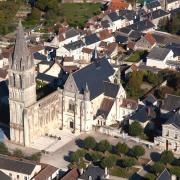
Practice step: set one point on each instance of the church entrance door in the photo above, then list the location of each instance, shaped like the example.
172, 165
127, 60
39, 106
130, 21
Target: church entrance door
71, 124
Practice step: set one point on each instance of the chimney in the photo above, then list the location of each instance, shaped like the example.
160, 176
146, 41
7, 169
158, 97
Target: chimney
90, 178
148, 111
173, 177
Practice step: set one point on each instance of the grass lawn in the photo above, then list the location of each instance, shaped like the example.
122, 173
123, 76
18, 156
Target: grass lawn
77, 14
135, 57
122, 172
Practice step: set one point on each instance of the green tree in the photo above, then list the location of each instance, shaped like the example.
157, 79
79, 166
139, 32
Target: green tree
128, 162
167, 157
89, 142
137, 151
157, 168
95, 156
18, 153
121, 148
81, 152
135, 129
108, 162
104, 146
74, 157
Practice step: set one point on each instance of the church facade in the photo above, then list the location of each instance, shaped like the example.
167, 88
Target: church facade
87, 99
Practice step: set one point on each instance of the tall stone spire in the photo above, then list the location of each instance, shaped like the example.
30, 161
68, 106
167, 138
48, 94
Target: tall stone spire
95, 56
21, 58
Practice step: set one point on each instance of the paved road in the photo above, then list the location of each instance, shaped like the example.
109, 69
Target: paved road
60, 157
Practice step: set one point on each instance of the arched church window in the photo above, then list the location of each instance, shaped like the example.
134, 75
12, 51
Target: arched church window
71, 106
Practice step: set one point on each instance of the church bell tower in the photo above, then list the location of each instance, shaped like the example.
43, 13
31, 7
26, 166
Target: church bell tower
22, 86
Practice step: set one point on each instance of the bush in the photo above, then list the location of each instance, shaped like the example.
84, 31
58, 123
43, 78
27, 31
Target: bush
119, 172
104, 145
175, 170
135, 129
35, 157
121, 148
18, 153
137, 151
167, 157
89, 142
3, 149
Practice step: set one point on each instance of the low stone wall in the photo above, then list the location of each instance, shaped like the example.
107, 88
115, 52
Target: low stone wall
117, 133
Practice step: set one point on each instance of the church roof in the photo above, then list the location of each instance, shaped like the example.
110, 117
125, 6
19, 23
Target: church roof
94, 75
175, 120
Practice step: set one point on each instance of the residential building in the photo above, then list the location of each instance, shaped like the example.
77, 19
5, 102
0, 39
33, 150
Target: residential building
152, 6
146, 42
158, 57
20, 169
170, 138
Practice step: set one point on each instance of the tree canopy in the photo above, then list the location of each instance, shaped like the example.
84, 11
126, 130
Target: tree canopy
137, 151
104, 146
89, 142
167, 157
135, 129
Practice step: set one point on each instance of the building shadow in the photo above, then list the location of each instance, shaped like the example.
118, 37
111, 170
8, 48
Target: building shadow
155, 156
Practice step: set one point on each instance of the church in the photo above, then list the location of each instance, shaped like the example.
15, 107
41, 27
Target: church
88, 98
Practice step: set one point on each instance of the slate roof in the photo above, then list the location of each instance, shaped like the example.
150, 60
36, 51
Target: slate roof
16, 165
121, 39
105, 24
157, 14
71, 33
143, 114
158, 53
142, 25
3, 176
74, 45
135, 35
94, 75
165, 175
149, 100
114, 16
91, 39
111, 89
94, 171
175, 120
153, 4
39, 56
125, 30
175, 48
171, 1
171, 102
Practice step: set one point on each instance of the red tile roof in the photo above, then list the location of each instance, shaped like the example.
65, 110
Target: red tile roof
117, 5
150, 38
105, 34
130, 104
71, 175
